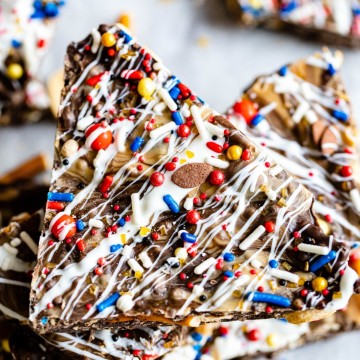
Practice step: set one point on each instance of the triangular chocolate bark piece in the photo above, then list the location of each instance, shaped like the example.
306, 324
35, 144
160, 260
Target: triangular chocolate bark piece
161, 211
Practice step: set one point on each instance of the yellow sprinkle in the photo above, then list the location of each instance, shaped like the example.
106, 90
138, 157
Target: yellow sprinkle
182, 161
307, 266
301, 281
163, 230
234, 153
282, 202
146, 88
272, 340
264, 187
138, 275
244, 329
127, 273
189, 154
237, 293
319, 284
125, 19
5, 345
93, 289
108, 39
203, 41
337, 295
349, 136
236, 266
123, 239
144, 231
284, 193
14, 71
273, 284
168, 344
286, 265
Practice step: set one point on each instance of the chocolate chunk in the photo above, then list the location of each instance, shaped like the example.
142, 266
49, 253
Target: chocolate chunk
191, 175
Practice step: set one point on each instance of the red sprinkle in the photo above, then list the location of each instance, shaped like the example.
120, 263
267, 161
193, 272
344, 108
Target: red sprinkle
260, 288
127, 218
269, 309
346, 171
136, 352
269, 226
183, 131
81, 245
304, 292
51, 242
88, 306
217, 177
157, 178
166, 140
223, 330
219, 264
107, 182
193, 216
328, 218
254, 335
196, 200
246, 154
155, 236
101, 261
94, 79
253, 272
55, 205
297, 234
238, 273
116, 207
267, 164
325, 292
214, 147
189, 285
182, 276
170, 166
226, 132
98, 271
203, 196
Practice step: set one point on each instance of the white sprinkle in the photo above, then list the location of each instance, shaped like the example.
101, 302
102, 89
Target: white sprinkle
221, 164
277, 169
268, 108
125, 303
257, 264
252, 237
197, 290
215, 130
300, 112
286, 85
185, 111
15, 242
285, 275
200, 269
195, 112
314, 249
136, 208
83, 123
10, 249
98, 161
163, 130
306, 91
29, 241
311, 116
145, 259
96, 223
126, 251
171, 104
96, 41
355, 198
271, 194
316, 62
189, 203
159, 108
135, 266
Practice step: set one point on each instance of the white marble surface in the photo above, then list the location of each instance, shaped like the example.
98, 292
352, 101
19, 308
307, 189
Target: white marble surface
217, 72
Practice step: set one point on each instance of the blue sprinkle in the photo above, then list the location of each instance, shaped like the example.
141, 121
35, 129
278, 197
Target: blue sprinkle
16, 43
136, 144
257, 120
289, 7
201, 100
80, 225
51, 10
110, 301
229, 257
171, 203
197, 347
196, 336
44, 320
176, 117
174, 92
127, 37
356, 11
355, 246
273, 264
340, 115
283, 71
331, 70
228, 273
121, 222
114, 248
58, 196
38, 14
37, 4
190, 238
257, 296
323, 260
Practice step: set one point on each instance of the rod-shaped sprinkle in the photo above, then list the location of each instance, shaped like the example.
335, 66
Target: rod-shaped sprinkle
199, 122
176, 117
204, 266
257, 296
96, 223
135, 266
171, 104
260, 230
58, 196
110, 301
355, 198
171, 203
221, 164
145, 259
83, 123
215, 130
162, 130
323, 260
185, 236
136, 208
314, 249
285, 275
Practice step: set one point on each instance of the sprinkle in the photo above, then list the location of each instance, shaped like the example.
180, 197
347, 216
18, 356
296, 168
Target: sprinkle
136, 144
181, 253
135, 266
154, 134
127, 250
188, 237
80, 243
228, 274
114, 248
214, 147
300, 112
96, 40
229, 257
257, 264
283, 71
215, 130
195, 112
355, 198
257, 120
96, 223
340, 115
127, 37
171, 104
273, 264
260, 230
121, 222
314, 249
107, 182
256, 296
110, 301
171, 203
200, 269
285, 275
54, 205
196, 336
80, 225
44, 320
174, 92
221, 164
125, 303
58, 196
323, 260
176, 117
136, 208
189, 203
197, 290
28, 240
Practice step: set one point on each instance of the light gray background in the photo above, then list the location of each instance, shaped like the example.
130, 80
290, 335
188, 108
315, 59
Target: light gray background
216, 72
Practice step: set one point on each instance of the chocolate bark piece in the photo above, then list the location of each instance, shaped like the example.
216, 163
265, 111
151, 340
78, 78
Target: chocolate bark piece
141, 249
18, 255
307, 126
27, 28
